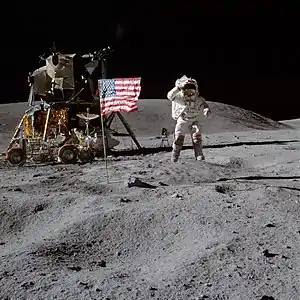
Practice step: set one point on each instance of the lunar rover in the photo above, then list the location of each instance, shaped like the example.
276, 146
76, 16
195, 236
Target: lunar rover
62, 122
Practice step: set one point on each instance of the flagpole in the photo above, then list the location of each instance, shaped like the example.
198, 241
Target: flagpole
103, 134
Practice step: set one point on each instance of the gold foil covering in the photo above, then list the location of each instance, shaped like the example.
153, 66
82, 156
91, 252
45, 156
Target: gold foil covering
27, 126
40, 117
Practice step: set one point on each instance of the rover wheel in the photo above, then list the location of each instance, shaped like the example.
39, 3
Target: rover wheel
68, 154
86, 156
100, 153
16, 156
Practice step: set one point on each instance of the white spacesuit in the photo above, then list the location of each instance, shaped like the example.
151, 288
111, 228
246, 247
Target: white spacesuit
187, 109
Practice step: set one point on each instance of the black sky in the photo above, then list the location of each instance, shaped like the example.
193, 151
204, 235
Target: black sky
244, 53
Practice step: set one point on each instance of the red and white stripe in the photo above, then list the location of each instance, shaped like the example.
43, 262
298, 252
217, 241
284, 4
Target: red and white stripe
127, 93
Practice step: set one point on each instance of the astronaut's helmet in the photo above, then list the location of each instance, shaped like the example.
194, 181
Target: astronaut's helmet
190, 89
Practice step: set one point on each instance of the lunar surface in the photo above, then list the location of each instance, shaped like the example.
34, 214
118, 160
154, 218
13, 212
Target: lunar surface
224, 228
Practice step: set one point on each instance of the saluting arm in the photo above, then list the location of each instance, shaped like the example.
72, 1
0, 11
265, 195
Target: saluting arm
173, 93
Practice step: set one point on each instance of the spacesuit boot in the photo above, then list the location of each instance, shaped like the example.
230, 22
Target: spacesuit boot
197, 145
198, 151
177, 147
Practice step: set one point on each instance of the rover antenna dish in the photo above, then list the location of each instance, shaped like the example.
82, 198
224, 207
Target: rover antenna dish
87, 116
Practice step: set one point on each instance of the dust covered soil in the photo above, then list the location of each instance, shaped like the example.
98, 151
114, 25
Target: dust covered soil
226, 228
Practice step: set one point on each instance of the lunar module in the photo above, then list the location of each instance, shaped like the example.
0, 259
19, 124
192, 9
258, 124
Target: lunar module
62, 122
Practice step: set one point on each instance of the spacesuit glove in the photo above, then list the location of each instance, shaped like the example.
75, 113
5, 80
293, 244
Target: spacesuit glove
206, 112
178, 84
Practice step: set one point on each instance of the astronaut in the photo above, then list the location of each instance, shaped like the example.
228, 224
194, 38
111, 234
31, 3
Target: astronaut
187, 109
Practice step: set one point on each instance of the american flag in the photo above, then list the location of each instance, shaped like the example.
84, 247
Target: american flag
119, 94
